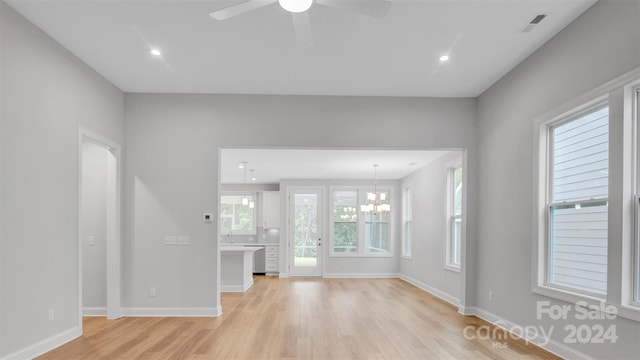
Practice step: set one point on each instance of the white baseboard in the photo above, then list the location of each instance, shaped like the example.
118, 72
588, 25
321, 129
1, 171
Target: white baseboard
236, 288
431, 290
551, 346
360, 275
467, 310
94, 311
45, 345
172, 312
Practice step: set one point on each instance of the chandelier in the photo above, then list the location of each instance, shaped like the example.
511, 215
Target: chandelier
376, 201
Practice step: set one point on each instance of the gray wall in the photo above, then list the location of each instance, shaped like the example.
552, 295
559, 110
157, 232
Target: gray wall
600, 45
171, 168
427, 265
93, 219
46, 93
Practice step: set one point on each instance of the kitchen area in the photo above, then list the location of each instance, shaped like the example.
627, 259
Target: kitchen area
249, 234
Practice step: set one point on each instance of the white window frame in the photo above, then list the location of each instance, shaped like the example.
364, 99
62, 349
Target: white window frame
550, 127
362, 250
253, 230
407, 222
631, 291
450, 216
332, 192
617, 92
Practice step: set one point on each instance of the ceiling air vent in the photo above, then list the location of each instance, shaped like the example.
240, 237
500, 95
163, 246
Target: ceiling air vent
535, 21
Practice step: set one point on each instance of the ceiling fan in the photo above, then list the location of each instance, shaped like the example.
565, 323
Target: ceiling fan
300, 16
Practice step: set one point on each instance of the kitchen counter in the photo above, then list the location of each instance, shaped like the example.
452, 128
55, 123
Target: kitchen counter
236, 267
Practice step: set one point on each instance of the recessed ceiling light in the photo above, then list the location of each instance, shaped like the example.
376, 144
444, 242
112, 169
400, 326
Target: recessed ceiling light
155, 52
444, 58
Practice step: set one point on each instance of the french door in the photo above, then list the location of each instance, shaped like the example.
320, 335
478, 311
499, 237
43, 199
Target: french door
305, 231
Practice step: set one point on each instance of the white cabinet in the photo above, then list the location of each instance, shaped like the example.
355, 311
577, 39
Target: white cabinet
271, 259
271, 209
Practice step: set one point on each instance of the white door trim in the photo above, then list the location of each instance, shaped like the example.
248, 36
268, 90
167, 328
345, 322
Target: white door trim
114, 229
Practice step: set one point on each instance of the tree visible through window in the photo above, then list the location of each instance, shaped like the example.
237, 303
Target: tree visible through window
305, 216
235, 216
345, 221
355, 232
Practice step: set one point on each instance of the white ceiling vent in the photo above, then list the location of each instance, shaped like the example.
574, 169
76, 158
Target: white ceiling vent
535, 21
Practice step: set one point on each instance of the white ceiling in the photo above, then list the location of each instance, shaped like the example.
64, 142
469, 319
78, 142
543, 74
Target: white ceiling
273, 165
256, 52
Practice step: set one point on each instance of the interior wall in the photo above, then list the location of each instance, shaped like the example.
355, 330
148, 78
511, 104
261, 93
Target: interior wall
599, 46
426, 268
171, 168
46, 93
93, 218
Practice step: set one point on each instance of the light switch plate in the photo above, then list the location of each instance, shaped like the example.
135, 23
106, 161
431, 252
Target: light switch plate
183, 240
92, 240
170, 240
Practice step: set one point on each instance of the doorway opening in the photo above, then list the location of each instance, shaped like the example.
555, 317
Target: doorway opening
99, 231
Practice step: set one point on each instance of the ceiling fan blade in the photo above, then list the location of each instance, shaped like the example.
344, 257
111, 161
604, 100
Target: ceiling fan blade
374, 8
302, 28
240, 9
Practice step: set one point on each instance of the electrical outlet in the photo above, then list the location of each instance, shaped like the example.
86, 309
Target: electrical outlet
152, 292
92, 240
490, 295
51, 315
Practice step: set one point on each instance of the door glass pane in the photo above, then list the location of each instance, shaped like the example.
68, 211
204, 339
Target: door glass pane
305, 215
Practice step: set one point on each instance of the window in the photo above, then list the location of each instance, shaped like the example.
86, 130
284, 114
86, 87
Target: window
377, 228
407, 229
357, 233
236, 216
454, 216
345, 221
588, 185
577, 201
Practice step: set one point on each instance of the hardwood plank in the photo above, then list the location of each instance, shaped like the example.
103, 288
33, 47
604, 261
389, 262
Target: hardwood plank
302, 319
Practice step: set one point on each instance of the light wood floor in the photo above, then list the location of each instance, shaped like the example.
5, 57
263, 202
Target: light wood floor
302, 319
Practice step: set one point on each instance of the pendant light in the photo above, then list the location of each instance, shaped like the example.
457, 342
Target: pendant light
252, 204
243, 166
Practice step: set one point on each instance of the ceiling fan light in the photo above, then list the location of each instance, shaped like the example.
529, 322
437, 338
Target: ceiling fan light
296, 6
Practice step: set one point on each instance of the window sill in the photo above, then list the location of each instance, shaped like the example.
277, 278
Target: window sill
452, 268
406, 257
624, 311
629, 312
